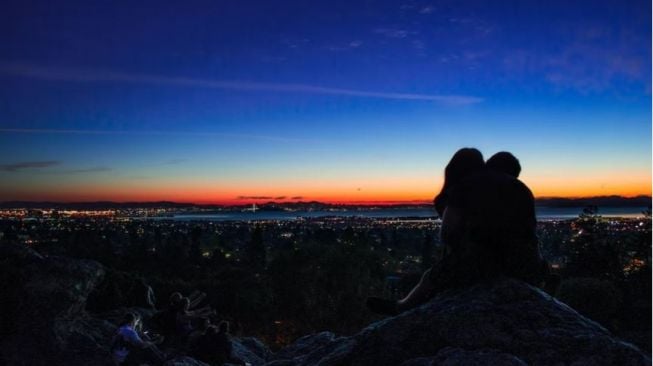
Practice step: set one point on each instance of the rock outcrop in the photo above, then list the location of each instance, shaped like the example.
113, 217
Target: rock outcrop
44, 322
43, 318
506, 322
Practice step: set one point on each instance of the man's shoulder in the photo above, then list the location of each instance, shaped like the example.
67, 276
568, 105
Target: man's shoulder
482, 181
489, 177
490, 186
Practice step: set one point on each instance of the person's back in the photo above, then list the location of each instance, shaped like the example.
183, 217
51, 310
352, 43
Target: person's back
165, 321
497, 236
213, 347
223, 347
123, 343
127, 343
488, 230
203, 347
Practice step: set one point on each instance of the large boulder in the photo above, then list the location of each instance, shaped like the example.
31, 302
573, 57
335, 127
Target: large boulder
44, 318
251, 350
304, 345
184, 361
506, 322
43, 321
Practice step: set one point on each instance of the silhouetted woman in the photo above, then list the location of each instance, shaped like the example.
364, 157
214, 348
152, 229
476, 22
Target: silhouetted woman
465, 162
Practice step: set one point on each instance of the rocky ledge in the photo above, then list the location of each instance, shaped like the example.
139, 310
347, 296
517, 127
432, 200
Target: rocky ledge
506, 322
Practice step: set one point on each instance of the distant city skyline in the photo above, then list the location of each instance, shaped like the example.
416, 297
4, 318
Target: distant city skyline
338, 101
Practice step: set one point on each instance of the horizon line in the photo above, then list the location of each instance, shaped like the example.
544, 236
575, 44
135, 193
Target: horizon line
333, 202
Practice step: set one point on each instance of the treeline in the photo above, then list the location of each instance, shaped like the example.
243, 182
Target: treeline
275, 284
279, 283
606, 271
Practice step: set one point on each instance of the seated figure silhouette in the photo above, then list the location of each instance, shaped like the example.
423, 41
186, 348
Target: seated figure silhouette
215, 347
488, 229
130, 347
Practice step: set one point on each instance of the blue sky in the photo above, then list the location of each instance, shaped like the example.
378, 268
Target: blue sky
250, 98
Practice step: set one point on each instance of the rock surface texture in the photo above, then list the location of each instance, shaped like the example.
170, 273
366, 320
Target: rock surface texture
43, 321
43, 318
506, 322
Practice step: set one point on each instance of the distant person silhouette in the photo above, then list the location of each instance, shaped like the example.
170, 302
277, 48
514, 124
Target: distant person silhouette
185, 317
165, 320
488, 229
214, 346
128, 348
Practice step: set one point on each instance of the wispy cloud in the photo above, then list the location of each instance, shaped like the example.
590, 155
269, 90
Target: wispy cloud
37, 165
175, 161
295, 43
149, 133
418, 44
280, 198
15, 167
355, 44
96, 169
93, 76
394, 32
596, 59
344, 47
591, 68
254, 197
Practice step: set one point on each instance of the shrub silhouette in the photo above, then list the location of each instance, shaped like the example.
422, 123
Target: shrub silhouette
597, 299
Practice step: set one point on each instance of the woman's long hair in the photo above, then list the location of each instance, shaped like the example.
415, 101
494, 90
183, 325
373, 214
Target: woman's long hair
464, 162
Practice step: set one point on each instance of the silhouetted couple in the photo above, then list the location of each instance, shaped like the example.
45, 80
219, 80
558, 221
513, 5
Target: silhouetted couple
488, 229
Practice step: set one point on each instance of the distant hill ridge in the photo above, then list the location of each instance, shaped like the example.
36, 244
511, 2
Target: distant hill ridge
601, 201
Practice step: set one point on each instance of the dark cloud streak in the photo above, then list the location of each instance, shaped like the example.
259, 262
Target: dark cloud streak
268, 197
97, 169
15, 167
25, 165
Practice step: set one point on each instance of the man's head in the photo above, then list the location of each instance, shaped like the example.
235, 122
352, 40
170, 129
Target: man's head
175, 298
223, 327
504, 162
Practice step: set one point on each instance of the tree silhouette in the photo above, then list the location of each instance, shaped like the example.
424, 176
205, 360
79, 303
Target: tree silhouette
195, 253
427, 251
255, 250
591, 251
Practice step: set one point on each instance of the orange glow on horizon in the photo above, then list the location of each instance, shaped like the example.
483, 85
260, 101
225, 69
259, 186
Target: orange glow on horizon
235, 196
372, 190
